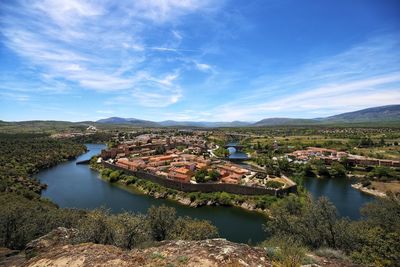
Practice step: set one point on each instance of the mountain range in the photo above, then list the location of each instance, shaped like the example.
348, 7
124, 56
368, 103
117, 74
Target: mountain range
383, 116
389, 114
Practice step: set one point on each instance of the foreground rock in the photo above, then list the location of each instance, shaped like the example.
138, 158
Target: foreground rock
212, 252
55, 249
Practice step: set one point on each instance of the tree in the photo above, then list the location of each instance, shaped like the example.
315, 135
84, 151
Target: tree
161, 220
312, 223
131, 230
366, 142
114, 176
193, 229
160, 150
337, 170
214, 175
200, 175
284, 164
382, 141
96, 227
323, 215
345, 162
321, 168
307, 170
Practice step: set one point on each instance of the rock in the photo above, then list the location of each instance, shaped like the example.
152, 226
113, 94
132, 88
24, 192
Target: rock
247, 206
184, 201
59, 236
9, 257
212, 252
6, 252
54, 249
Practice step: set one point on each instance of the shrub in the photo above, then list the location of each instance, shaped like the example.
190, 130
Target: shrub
161, 220
223, 198
131, 180
200, 175
193, 229
114, 176
273, 184
285, 252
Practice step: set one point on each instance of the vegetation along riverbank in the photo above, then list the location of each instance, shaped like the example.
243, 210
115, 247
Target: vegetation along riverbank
193, 199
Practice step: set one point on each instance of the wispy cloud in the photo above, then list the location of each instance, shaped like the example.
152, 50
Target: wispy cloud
363, 76
15, 96
184, 58
97, 45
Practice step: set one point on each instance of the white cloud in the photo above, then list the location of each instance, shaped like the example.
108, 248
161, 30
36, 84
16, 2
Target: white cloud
97, 44
364, 76
203, 66
161, 11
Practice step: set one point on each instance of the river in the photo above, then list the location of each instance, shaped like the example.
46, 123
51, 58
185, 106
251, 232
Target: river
234, 154
77, 186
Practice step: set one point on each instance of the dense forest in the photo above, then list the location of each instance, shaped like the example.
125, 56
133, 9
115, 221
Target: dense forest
22, 155
300, 224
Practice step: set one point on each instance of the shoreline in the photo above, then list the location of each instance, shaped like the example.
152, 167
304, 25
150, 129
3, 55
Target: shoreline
366, 190
183, 198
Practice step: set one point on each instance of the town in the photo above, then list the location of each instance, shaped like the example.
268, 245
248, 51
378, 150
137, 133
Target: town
332, 155
187, 159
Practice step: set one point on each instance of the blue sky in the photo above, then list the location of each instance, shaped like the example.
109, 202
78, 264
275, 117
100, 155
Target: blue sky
196, 60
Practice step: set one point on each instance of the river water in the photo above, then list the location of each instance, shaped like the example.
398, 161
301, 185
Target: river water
77, 186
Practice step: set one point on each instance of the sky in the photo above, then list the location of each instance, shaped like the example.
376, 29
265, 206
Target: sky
208, 60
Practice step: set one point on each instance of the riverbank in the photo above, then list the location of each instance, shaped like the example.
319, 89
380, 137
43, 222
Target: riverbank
367, 190
193, 199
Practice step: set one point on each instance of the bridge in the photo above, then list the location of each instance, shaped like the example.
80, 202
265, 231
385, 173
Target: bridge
235, 146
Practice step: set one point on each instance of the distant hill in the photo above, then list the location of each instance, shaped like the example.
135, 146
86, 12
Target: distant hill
376, 114
384, 115
207, 124
284, 121
370, 115
130, 121
171, 123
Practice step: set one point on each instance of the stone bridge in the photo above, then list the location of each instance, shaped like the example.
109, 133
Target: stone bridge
235, 146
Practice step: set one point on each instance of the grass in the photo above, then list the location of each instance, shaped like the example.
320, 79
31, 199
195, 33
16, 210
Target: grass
330, 253
385, 187
156, 255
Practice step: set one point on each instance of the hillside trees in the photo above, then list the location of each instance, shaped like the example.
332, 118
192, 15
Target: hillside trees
374, 240
23, 155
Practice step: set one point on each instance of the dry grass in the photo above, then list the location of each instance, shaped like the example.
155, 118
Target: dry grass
385, 187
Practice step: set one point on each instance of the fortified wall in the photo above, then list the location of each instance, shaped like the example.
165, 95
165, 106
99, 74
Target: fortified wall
206, 188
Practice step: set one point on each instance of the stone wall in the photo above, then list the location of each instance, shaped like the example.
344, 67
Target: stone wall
206, 188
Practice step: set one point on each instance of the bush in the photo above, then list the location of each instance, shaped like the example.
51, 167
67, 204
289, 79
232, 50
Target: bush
114, 176
23, 220
96, 227
131, 180
273, 184
286, 252
214, 175
366, 183
161, 221
224, 199
337, 170
372, 241
193, 229
192, 196
200, 175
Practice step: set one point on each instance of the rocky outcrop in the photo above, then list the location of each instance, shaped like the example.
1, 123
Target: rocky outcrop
212, 252
57, 237
56, 249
